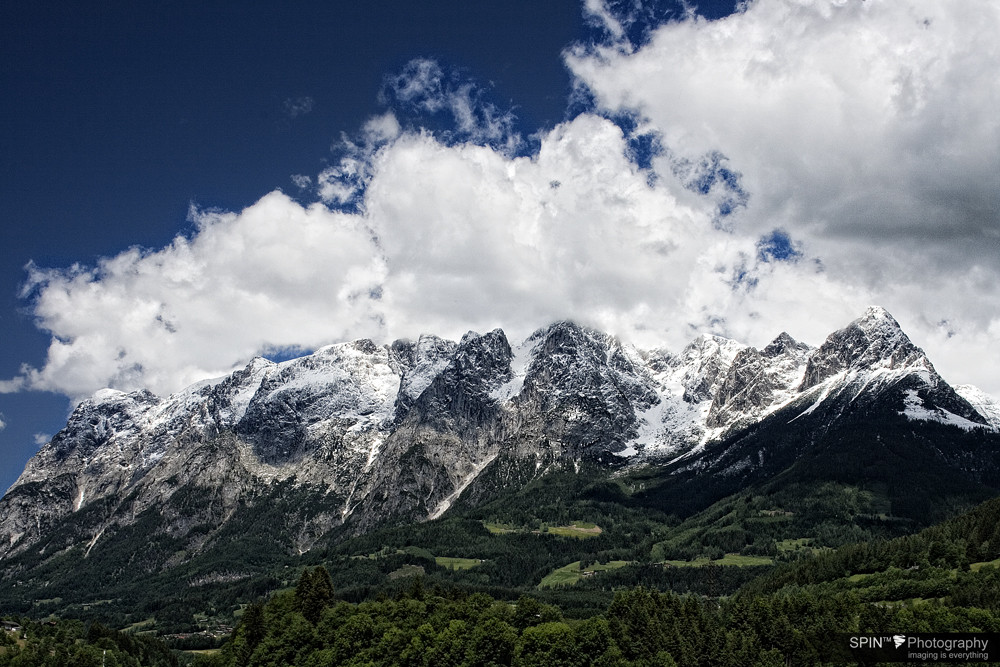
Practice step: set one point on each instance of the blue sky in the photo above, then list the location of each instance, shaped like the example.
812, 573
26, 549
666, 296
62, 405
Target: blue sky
648, 170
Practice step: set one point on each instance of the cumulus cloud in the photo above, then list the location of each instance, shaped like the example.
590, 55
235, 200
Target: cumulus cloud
847, 116
867, 129
451, 237
273, 275
777, 170
472, 236
3, 424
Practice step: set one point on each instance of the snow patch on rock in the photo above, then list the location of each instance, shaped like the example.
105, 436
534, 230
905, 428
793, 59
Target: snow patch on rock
522, 356
915, 410
983, 403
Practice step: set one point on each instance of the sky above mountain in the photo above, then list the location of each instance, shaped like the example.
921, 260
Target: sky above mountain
188, 185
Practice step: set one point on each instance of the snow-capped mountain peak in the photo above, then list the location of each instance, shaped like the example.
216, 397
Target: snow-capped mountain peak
873, 342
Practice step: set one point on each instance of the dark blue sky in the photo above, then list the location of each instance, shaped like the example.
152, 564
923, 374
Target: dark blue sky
115, 116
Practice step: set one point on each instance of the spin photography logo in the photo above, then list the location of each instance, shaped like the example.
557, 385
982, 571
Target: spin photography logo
921, 647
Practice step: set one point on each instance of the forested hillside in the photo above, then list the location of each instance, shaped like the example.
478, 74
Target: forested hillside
943, 579
639, 627
445, 593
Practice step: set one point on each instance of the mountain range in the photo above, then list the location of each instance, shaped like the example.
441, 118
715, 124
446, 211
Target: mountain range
356, 436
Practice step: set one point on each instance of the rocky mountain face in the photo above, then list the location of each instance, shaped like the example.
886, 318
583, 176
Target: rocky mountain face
373, 434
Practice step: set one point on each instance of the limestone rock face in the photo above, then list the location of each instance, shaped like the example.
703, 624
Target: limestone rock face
758, 379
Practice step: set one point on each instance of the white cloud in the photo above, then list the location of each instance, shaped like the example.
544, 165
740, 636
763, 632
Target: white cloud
868, 129
41, 438
473, 238
858, 129
424, 86
3, 424
274, 275
12, 386
344, 183
380, 129
598, 12
856, 118
449, 238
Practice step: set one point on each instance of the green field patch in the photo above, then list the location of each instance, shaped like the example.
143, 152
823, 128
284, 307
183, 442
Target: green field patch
499, 528
728, 559
859, 577
975, 567
793, 544
457, 563
697, 562
568, 575
579, 529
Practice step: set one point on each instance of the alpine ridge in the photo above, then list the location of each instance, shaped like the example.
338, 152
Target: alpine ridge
372, 434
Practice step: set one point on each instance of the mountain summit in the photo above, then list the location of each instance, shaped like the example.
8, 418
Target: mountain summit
872, 343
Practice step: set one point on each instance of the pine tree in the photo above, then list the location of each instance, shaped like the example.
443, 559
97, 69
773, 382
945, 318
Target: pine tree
314, 592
